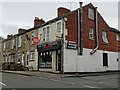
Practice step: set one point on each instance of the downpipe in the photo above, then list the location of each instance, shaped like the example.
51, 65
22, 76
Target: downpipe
95, 49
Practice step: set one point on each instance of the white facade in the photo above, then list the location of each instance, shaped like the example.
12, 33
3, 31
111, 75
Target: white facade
89, 63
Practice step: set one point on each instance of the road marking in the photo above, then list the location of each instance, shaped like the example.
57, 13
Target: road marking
3, 84
89, 86
100, 82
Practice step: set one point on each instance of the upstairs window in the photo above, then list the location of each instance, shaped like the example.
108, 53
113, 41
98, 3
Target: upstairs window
44, 33
48, 33
118, 37
91, 13
91, 33
32, 36
19, 41
59, 28
104, 37
13, 44
4, 46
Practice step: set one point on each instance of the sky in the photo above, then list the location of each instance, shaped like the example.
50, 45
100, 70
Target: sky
15, 15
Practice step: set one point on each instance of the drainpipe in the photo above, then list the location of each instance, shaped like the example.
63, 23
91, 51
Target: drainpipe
80, 30
95, 49
62, 47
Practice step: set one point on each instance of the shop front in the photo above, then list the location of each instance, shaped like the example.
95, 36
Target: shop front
49, 56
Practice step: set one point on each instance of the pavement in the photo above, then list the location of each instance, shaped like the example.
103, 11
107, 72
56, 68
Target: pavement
41, 73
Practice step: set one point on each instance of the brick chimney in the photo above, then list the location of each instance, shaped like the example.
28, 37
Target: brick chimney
21, 30
38, 22
61, 11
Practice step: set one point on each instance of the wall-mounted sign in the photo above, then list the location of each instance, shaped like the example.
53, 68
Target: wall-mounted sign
36, 40
71, 45
49, 46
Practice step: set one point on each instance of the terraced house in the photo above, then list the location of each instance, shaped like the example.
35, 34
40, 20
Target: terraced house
74, 41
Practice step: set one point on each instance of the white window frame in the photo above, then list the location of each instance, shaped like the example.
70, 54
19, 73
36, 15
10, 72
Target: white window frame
91, 33
47, 33
4, 45
44, 34
13, 43
32, 36
57, 29
32, 55
104, 37
91, 13
19, 57
117, 37
19, 41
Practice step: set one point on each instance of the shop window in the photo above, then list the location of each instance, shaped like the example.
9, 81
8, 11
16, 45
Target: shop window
104, 37
105, 59
46, 60
91, 33
91, 13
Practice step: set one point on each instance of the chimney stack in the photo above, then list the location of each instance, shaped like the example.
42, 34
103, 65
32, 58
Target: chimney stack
62, 11
38, 22
21, 30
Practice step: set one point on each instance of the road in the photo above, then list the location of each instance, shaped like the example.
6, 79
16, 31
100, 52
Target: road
58, 81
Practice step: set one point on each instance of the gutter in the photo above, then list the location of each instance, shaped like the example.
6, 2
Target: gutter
97, 44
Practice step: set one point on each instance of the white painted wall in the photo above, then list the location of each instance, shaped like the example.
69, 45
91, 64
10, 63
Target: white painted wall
87, 62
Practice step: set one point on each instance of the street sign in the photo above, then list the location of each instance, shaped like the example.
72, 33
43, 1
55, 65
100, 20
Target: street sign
36, 40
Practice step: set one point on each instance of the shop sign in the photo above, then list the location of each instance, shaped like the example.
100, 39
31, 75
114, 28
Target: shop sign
71, 45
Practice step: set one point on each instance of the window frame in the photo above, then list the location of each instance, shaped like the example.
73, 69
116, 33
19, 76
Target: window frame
32, 55
60, 29
19, 41
91, 13
91, 33
32, 36
105, 37
117, 37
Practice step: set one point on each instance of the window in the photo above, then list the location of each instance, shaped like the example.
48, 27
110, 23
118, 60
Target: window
59, 29
91, 13
19, 41
104, 37
44, 33
32, 36
105, 59
13, 44
48, 33
4, 46
32, 55
18, 58
118, 37
27, 58
91, 33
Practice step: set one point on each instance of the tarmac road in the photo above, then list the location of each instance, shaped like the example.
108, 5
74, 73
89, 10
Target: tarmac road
10, 80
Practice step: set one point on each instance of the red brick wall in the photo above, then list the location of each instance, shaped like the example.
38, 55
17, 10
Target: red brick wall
72, 26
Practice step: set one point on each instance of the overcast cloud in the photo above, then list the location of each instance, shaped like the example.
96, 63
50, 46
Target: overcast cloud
21, 15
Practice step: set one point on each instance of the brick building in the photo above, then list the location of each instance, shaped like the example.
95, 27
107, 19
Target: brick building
74, 41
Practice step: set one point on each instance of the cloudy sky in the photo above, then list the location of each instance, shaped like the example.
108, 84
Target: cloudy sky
21, 14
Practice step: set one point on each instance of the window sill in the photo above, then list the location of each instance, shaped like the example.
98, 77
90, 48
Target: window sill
32, 60
104, 43
91, 39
